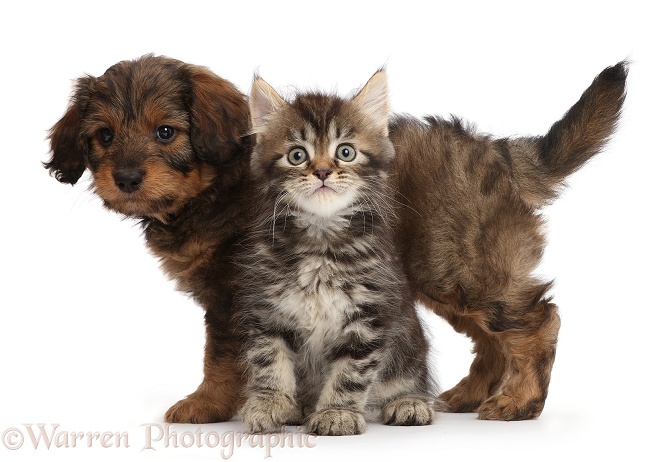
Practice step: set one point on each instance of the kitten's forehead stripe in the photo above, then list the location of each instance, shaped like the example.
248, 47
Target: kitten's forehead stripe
309, 134
295, 136
318, 110
333, 132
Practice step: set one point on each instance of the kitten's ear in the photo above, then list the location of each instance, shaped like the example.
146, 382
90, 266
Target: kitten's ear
373, 100
263, 102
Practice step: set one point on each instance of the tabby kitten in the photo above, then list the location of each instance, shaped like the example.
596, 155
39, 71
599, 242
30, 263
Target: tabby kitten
331, 332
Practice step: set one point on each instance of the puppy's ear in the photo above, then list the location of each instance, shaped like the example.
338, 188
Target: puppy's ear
69, 150
219, 117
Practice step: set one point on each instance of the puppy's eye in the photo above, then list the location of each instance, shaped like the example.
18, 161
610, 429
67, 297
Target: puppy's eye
297, 156
105, 136
346, 152
165, 133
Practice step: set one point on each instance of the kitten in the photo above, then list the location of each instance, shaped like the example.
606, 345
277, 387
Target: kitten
331, 332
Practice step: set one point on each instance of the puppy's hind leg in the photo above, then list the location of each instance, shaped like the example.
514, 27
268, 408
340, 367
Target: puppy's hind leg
530, 351
486, 370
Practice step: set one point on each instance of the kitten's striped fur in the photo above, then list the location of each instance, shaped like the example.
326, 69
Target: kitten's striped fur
331, 329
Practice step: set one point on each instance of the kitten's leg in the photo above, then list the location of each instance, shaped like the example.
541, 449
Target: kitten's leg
219, 397
340, 408
403, 387
404, 397
353, 365
271, 385
408, 411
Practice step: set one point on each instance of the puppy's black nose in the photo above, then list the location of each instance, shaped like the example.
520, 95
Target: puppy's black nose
128, 180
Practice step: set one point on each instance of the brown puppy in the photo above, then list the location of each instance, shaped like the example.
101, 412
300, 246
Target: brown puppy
164, 143
471, 236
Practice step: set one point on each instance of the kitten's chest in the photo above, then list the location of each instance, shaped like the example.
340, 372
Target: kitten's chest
316, 299
316, 289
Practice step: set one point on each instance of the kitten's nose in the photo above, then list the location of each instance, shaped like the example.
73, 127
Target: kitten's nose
322, 173
128, 180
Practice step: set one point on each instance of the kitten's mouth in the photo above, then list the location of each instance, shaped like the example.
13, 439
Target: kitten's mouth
325, 200
322, 189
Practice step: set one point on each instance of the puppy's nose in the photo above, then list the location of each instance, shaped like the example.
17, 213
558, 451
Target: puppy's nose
128, 180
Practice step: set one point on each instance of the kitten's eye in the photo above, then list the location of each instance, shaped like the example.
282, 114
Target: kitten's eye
346, 152
165, 133
105, 136
297, 156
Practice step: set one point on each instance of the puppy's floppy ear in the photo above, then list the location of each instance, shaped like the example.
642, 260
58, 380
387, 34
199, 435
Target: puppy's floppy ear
219, 117
69, 150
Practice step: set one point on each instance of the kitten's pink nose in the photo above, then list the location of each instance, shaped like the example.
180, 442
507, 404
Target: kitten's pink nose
322, 173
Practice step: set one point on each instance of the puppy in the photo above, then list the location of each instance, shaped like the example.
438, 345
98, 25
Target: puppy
471, 236
164, 142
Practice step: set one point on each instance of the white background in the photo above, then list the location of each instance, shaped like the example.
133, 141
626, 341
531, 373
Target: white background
92, 336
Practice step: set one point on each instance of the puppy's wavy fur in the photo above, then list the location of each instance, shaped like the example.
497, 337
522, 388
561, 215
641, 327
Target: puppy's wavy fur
187, 190
468, 229
471, 235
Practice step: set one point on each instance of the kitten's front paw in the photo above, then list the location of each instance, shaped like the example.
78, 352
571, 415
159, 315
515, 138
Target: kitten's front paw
408, 411
265, 413
336, 422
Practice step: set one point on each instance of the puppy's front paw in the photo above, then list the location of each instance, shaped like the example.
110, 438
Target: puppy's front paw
199, 408
336, 422
408, 411
265, 413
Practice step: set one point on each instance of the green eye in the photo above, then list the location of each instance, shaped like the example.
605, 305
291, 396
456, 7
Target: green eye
346, 152
297, 156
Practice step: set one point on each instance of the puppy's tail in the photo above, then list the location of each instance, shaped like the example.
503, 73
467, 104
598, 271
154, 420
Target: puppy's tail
541, 164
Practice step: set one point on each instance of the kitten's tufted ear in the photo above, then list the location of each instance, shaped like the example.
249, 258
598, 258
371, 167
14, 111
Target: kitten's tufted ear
218, 115
373, 100
263, 102
69, 150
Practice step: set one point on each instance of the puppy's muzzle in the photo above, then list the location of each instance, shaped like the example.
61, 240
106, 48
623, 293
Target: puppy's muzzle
128, 180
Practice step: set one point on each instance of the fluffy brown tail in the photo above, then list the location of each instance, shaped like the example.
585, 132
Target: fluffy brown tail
541, 164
